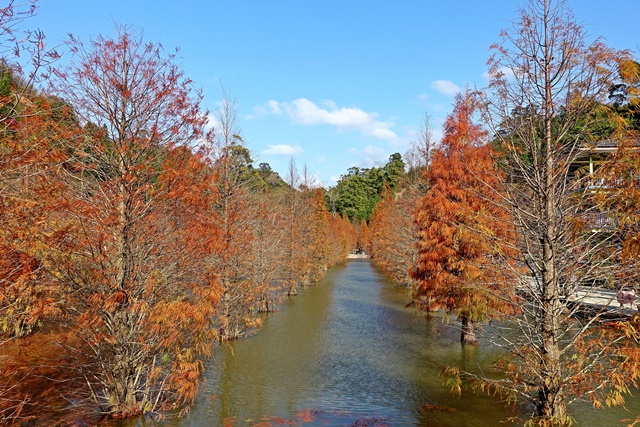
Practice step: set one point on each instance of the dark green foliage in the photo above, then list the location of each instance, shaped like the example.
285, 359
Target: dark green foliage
5, 82
358, 192
241, 166
10, 87
268, 178
394, 171
355, 193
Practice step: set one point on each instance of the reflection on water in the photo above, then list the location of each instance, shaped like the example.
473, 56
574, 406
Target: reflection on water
344, 350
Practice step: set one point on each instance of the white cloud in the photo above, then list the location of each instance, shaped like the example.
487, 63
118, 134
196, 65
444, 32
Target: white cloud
271, 107
307, 113
370, 155
322, 159
316, 182
282, 150
212, 122
445, 87
376, 153
437, 135
385, 134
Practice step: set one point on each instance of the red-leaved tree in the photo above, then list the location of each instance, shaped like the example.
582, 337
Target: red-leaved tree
458, 226
136, 231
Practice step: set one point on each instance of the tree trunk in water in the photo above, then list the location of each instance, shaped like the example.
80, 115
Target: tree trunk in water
22, 328
226, 330
551, 402
121, 393
293, 290
265, 306
124, 362
468, 333
121, 396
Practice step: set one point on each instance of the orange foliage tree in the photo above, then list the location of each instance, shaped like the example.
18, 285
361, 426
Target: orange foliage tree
27, 171
27, 124
393, 236
312, 240
619, 200
364, 234
345, 236
137, 231
267, 229
234, 258
319, 248
544, 107
295, 265
27, 127
457, 223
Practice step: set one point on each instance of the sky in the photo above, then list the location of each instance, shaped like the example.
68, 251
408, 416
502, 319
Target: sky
332, 83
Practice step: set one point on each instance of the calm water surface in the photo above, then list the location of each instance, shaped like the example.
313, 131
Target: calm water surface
347, 351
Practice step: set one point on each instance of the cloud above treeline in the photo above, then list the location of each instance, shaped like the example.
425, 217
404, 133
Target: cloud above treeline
282, 150
445, 87
304, 112
370, 155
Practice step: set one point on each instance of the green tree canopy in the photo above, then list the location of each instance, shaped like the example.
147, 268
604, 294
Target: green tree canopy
358, 191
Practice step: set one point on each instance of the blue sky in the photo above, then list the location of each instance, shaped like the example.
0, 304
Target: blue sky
331, 83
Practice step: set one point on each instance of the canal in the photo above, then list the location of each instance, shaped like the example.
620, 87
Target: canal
347, 352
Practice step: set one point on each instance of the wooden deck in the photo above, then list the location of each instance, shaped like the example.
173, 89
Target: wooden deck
592, 301
600, 302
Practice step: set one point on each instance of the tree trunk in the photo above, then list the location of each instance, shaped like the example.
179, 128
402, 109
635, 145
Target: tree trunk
551, 404
264, 305
293, 290
468, 332
121, 396
229, 327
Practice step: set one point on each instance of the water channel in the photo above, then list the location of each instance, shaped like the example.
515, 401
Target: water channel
347, 352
